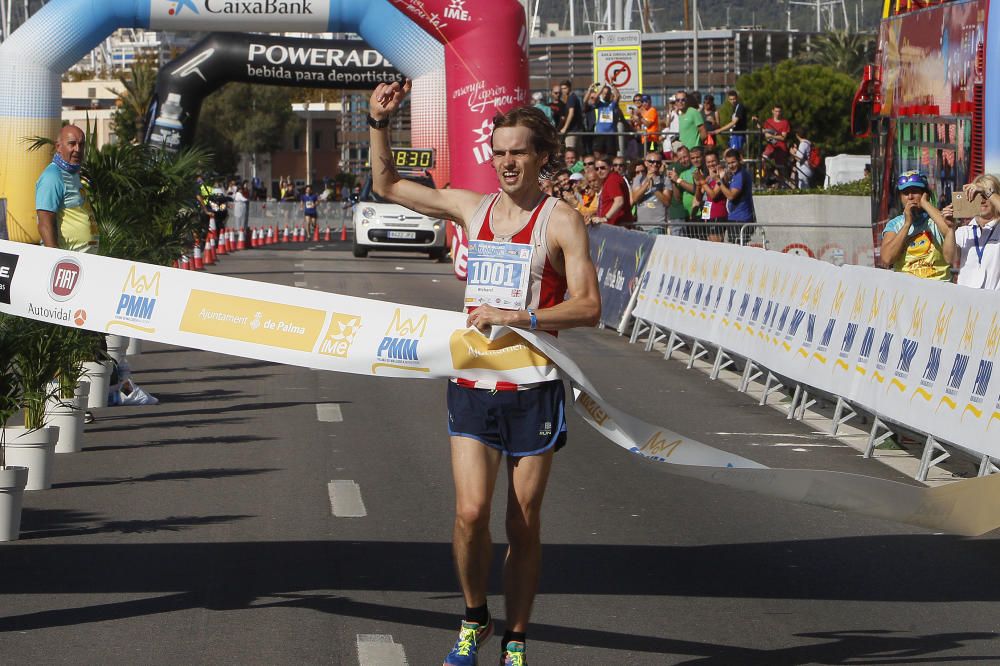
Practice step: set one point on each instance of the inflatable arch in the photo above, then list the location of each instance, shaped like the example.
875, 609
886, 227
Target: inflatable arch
474, 51
220, 58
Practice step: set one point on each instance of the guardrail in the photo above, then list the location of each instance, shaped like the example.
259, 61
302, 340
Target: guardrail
916, 356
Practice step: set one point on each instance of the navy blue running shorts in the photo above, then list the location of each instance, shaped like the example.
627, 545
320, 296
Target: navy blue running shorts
519, 423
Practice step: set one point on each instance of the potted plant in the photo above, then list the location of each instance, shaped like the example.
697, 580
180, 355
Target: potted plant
12, 478
36, 364
65, 408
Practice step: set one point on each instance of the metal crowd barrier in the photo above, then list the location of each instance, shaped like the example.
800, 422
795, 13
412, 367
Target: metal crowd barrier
258, 214
837, 244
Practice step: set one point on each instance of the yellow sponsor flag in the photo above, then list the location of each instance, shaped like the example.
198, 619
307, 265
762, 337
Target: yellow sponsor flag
251, 320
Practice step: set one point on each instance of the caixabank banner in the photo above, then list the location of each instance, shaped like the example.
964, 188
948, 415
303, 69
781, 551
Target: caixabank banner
620, 256
377, 338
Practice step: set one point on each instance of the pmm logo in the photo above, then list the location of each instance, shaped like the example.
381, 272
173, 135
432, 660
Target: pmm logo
64, 279
138, 300
400, 346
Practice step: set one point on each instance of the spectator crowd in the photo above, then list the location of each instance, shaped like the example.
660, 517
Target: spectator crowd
681, 172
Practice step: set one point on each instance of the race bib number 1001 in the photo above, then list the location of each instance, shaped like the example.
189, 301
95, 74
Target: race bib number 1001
498, 275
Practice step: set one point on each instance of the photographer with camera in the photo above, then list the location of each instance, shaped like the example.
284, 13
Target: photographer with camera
651, 192
979, 269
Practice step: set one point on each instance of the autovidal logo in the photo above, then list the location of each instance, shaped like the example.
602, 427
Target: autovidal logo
137, 301
64, 279
400, 348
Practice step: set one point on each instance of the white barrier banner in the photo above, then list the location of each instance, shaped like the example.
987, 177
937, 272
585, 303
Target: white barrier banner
342, 333
918, 352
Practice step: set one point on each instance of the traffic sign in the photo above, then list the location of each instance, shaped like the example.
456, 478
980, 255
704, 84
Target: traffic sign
617, 38
618, 60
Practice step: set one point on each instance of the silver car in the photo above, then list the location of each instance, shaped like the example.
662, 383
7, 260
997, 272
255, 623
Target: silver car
380, 225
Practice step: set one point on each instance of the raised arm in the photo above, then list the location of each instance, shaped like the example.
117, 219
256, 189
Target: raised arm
451, 204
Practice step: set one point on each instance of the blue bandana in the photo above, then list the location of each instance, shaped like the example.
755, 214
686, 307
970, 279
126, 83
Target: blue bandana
64, 165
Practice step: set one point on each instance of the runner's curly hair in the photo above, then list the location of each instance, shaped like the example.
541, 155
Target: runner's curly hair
544, 138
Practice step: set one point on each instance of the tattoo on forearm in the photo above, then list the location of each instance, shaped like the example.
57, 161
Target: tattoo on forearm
388, 167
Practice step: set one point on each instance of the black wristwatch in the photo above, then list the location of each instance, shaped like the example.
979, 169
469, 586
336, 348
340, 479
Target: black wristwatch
377, 124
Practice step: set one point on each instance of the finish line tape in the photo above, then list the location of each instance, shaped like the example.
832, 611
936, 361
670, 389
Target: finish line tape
346, 334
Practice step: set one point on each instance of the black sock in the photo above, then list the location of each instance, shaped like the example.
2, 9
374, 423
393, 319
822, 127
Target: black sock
509, 636
480, 615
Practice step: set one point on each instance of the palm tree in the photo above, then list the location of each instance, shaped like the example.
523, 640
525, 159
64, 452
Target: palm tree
843, 51
134, 101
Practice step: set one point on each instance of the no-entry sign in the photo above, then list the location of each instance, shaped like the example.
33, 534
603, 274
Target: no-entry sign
618, 60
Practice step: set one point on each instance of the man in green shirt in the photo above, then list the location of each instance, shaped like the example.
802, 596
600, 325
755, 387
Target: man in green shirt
681, 171
691, 127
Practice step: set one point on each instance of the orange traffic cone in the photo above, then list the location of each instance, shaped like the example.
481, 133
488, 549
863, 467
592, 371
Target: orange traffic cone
185, 264
220, 249
343, 232
241, 241
209, 254
177, 263
253, 237
326, 234
316, 234
199, 263
284, 234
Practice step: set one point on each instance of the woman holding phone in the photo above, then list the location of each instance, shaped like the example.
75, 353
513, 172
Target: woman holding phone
975, 247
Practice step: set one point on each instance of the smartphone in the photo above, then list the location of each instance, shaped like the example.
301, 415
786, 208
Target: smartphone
962, 207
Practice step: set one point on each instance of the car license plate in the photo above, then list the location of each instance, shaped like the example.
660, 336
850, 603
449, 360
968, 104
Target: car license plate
402, 235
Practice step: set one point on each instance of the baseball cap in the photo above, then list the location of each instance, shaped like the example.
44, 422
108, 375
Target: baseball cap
647, 98
576, 176
537, 97
911, 179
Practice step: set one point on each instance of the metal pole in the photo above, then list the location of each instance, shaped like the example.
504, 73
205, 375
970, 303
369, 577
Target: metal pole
619, 15
309, 145
694, 21
572, 17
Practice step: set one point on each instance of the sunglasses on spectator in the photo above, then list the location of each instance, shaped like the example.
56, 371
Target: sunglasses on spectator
654, 161
602, 167
617, 164
586, 164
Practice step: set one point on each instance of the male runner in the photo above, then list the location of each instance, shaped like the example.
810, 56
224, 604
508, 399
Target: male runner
487, 420
309, 209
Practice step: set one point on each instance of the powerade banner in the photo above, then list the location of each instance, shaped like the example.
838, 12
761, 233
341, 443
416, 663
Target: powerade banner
378, 338
220, 58
619, 256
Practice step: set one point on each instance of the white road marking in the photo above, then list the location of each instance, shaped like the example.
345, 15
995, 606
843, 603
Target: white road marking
379, 650
400, 268
300, 284
329, 412
299, 265
376, 293
345, 499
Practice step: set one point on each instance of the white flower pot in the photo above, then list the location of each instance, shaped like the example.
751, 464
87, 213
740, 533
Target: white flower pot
117, 346
33, 449
68, 416
12, 482
134, 347
99, 375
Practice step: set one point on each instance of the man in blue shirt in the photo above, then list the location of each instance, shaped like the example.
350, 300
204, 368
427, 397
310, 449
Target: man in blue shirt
604, 108
737, 186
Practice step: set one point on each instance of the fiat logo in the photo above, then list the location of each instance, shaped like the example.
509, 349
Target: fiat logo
65, 277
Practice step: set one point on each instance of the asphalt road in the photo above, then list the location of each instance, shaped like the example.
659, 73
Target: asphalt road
203, 530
